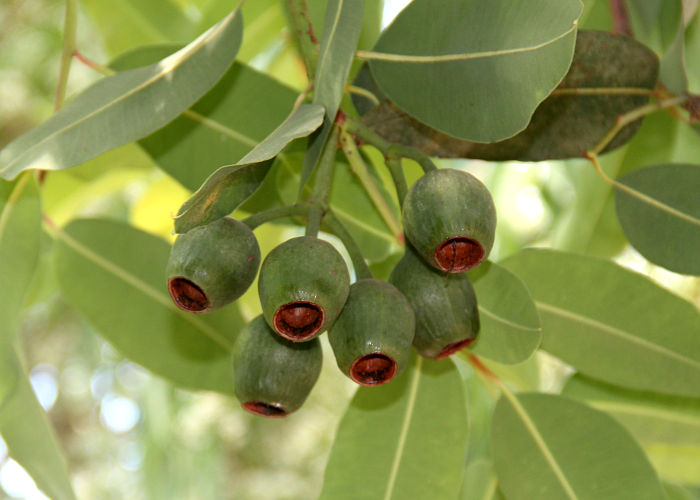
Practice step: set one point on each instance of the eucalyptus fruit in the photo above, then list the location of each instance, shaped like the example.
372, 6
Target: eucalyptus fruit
450, 219
211, 266
371, 339
303, 285
273, 376
447, 318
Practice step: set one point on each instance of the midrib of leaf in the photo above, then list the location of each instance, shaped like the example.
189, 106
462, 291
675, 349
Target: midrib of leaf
11, 203
167, 69
219, 127
643, 411
617, 332
541, 444
143, 287
406, 424
656, 203
506, 321
382, 56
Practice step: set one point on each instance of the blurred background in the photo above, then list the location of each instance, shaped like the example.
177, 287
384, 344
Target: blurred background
128, 434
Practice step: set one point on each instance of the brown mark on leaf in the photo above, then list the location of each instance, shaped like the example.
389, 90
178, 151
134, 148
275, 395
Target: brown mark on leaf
450, 349
264, 409
458, 254
187, 295
373, 369
297, 321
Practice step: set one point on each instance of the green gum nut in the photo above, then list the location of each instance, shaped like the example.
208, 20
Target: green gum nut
273, 376
303, 286
450, 219
371, 339
447, 317
211, 266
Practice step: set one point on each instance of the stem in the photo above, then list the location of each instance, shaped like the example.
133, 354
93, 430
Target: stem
636, 114
70, 26
364, 93
393, 163
640, 196
367, 135
358, 167
92, 64
322, 183
362, 270
260, 218
621, 22
303, 30
603, 91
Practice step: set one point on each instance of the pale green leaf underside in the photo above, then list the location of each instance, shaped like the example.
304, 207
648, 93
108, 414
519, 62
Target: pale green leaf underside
405, 439
546, 446
510, 327
230, 186
630, 332
481, 68
115, 276
126, 106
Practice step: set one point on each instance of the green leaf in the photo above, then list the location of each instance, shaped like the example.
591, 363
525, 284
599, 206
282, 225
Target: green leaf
341, 32
28, 433
148, 21
230, 186
567, 123
481, 68
510, 327
126, 106
115, 276
20, 233
546, 446
405, 439
612, 324
650, 417
659, 210
480, 482
676, 492
231, 119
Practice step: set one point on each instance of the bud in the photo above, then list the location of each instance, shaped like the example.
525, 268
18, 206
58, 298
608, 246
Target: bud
450, 219
447, 318
372, 336
303, 285
211, 266
273, 376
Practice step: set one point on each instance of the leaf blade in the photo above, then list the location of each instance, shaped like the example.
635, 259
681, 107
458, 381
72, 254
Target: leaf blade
140, 100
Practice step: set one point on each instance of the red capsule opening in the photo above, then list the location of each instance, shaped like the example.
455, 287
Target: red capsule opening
264, 409
299, 320
187, 295
450, 349
458, 254
373, 369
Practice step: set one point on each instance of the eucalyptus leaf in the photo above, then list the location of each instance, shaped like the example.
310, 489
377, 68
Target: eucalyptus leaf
126, 106
405, 439
547, 446
224, 125
650, 417
612, 324
28, 433
20, 233
566, 124
149, 21
481, 68
115, 276
510, 327
230, 186
480, 482
341, 33
676, 492
660, 215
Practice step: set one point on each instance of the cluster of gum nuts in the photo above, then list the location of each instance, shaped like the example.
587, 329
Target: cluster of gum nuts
428, 303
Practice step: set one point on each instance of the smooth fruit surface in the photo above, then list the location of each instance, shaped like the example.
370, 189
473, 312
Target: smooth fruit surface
447, 318
213, 265
371, 338
450, 219
273, 376
303, 285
